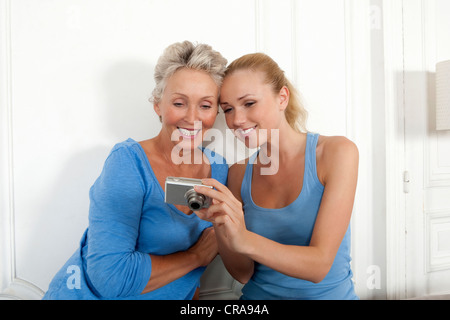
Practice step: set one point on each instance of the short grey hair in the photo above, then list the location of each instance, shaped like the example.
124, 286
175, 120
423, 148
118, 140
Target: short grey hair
191, 56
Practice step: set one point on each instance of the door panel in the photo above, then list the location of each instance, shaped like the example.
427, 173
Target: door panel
427, 156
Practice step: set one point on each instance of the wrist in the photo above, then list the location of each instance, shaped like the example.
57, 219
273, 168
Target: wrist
192, 259
247, 243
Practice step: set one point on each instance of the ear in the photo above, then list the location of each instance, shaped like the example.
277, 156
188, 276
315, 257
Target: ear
284, 98
157, 110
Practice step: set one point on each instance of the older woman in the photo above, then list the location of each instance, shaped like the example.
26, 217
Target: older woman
136, 245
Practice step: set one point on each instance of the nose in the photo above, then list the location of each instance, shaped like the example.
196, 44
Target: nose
239, 118
191, 114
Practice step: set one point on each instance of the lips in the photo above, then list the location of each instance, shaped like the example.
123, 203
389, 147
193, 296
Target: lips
245, 132
189, 133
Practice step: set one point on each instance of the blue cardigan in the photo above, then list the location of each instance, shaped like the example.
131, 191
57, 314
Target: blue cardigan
128, 220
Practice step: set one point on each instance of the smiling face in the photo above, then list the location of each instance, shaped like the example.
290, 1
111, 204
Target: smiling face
188, 107
251, 106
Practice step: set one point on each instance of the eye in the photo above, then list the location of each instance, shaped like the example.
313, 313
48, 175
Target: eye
250, 103
226, 107
178, 104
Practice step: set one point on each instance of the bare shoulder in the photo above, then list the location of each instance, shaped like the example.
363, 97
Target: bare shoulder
330, 146
336, 153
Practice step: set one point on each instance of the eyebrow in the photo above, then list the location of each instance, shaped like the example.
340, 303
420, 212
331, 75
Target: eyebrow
239, 99
185, 96
243, 97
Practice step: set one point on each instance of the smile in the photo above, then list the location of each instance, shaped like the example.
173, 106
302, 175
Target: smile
189, 133
245, 132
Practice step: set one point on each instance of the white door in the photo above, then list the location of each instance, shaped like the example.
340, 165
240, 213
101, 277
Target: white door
427, 151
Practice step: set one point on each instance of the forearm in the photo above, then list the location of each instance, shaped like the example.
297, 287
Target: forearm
166, 269
238, 265
302, 262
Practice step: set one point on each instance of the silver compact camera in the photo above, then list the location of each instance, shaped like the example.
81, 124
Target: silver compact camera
181, 191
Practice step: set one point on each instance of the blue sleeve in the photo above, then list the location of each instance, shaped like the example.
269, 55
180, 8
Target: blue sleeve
116, 200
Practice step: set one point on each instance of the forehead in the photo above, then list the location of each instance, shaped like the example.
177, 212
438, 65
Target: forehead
191, 81
245, 75
243, 82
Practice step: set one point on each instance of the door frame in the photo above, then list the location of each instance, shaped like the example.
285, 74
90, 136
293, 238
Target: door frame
395, 149
405, 52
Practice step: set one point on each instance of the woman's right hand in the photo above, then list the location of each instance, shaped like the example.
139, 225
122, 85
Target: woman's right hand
225, 213
205, 249
227, 216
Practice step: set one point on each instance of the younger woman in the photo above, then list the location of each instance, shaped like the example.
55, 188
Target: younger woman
284, 232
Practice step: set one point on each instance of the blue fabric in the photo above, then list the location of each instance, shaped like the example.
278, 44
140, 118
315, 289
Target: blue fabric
128, 220
293, 225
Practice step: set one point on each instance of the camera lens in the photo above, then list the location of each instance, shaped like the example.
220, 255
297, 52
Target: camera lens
195, 200
194, 205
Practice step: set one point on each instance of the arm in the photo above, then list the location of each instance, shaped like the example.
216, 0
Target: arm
337, 169
229, 206
238, 265
114, 266
166, 269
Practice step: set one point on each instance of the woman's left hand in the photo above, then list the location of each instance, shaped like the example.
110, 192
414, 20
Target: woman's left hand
225, 213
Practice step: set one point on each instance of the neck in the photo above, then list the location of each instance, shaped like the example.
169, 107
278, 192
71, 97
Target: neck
178, 156
282, 145
283, 141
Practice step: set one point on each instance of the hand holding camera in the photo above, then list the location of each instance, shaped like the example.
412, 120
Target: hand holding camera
213, 202
225, 212
181, 191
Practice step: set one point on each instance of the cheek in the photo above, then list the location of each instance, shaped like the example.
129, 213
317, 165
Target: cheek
209, 119
228, 120
170, 117
267, 115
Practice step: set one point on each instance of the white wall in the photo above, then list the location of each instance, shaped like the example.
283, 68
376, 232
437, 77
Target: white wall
75, 79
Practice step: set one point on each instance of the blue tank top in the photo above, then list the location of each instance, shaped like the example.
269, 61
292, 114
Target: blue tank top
293, 225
